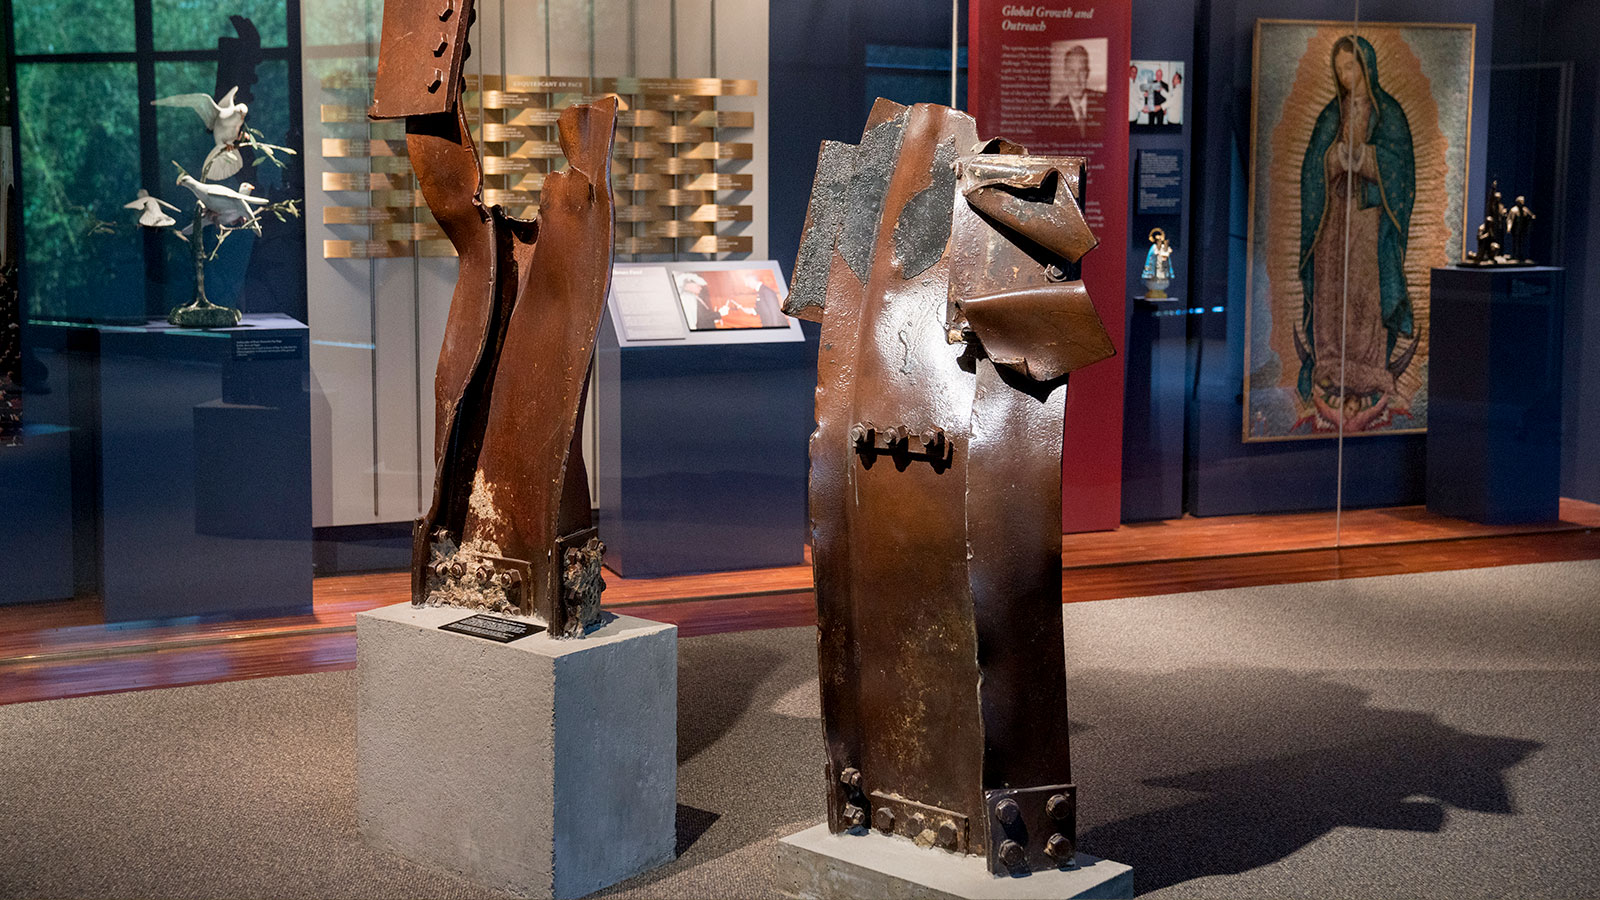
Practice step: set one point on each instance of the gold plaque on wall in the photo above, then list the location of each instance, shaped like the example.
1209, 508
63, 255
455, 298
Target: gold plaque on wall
674, 171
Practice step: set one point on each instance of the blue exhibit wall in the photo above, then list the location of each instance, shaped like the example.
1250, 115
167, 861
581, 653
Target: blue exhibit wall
820, 88
1162, 29
1225, 474
1157, 381
1566, 32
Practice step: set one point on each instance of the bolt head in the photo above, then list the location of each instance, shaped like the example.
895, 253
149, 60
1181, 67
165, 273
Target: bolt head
1060, 848
854, 816
948, 834
1012, 854
1007, 811
850, 777
435, 81
1058, 806
442, 45
917, 823
883, 819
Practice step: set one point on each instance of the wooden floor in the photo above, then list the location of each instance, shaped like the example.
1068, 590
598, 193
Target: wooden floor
65, 649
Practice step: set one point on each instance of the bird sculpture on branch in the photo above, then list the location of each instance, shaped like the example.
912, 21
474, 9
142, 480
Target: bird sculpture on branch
151, 214
225, 120
232, 208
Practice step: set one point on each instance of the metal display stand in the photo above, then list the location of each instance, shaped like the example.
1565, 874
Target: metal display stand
702, 437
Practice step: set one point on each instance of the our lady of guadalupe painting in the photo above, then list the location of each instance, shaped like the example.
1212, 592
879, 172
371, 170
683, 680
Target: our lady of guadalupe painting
1359, 139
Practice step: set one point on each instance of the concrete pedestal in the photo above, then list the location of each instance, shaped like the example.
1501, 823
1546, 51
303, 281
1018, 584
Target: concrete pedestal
540, 767
817, 865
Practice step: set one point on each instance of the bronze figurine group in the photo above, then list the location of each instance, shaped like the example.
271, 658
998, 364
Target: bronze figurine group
943, 270
1503, 233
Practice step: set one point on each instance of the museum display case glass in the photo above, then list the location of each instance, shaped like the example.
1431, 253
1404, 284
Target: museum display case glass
1311, 167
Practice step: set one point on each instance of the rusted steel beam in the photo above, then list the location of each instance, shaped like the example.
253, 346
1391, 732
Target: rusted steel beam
509, 525
943, 273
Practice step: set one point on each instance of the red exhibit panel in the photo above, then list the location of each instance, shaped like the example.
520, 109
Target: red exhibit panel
1050, 76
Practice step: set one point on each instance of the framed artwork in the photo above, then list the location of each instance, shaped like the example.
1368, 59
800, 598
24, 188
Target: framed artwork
1156, 89
1359, 152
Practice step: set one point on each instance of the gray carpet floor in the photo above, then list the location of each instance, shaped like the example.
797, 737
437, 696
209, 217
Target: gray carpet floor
1429, 735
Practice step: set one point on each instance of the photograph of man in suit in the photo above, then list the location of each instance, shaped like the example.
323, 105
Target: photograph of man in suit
1081, 107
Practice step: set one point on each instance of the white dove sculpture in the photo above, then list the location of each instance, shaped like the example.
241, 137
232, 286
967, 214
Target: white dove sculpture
232, 208
225, 119
150, 213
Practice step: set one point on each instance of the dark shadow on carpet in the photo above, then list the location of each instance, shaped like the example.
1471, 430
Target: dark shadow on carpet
1255, 805
691, 824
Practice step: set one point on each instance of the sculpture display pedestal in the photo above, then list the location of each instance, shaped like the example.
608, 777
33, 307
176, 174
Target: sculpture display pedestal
1154, 402
540, 767
192, 467
817, 865
1495, 372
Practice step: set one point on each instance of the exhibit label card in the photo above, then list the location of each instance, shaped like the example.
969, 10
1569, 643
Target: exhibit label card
249, 346
1160, 182
647, 305
493, 628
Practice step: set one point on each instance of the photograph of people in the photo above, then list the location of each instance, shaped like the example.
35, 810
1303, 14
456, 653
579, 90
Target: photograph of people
730, 298
695, 295
1135, 93
1078, 85
1156, 98
1156, 94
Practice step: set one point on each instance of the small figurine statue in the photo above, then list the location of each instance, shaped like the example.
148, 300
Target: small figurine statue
1518, 219
1157, 266
1488, 251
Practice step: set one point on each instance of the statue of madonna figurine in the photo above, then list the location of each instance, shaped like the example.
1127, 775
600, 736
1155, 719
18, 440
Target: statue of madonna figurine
1157, 266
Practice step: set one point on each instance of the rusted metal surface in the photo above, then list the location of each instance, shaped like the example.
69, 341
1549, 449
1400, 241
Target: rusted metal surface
940, 269
509, 528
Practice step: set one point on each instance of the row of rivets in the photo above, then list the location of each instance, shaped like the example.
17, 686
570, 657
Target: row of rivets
485, 574
865, 434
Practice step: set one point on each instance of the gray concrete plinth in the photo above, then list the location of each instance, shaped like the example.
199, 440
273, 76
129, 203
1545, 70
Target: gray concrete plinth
540, 767
817, 865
